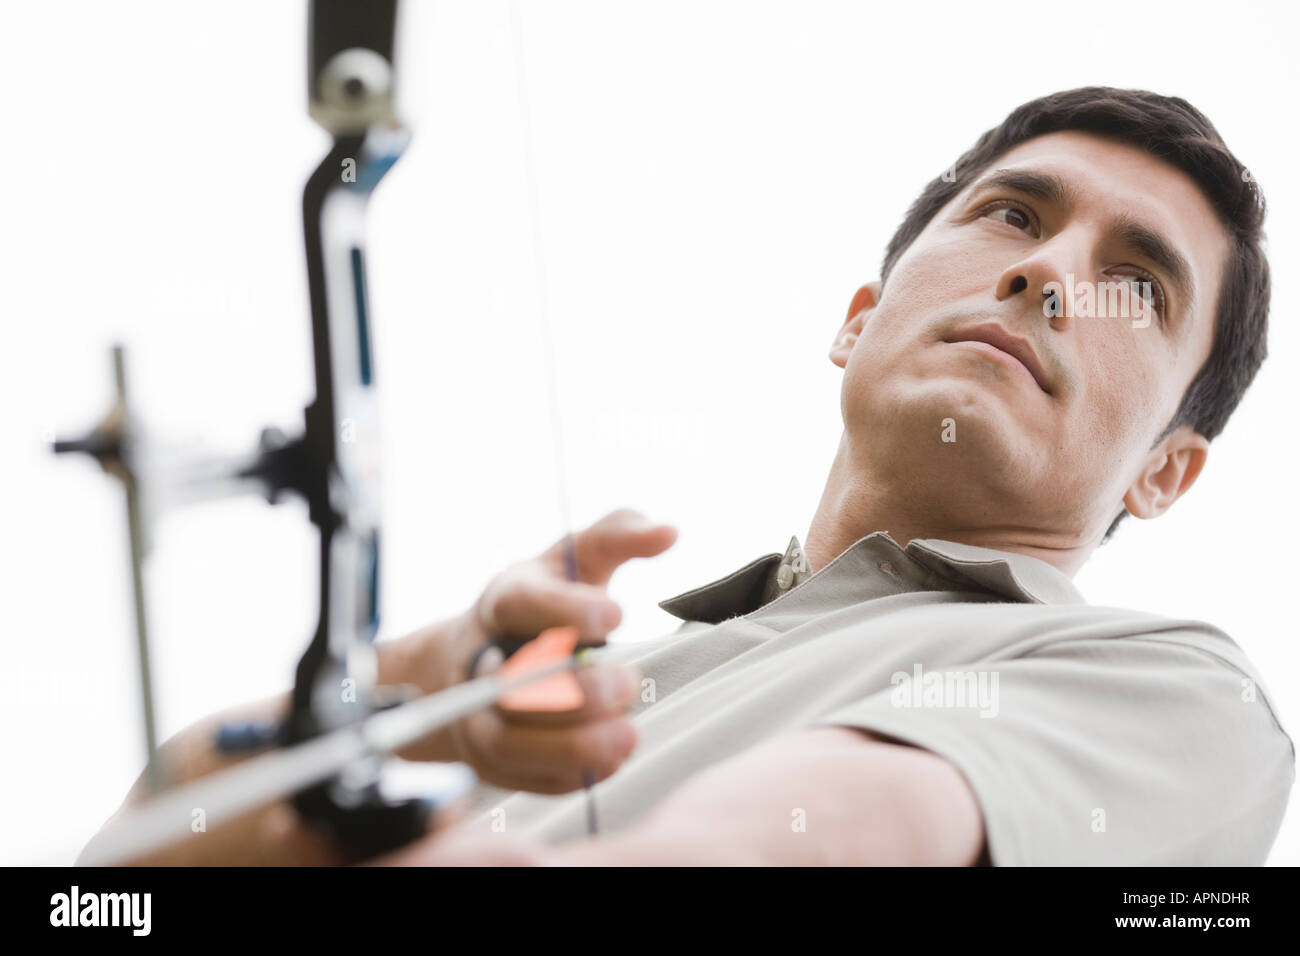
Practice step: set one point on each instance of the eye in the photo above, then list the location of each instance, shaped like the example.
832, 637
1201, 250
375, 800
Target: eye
1148, 289
1013, 214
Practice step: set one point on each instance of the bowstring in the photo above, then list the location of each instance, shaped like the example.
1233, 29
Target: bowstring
544, 321
539, 260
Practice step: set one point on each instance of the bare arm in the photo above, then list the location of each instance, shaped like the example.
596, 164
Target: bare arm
272, 834
861, 799
422, 658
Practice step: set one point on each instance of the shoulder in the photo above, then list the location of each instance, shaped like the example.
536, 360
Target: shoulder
1167, 658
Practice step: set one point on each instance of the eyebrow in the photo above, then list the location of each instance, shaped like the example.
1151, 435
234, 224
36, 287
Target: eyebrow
1124, 230
1048, 187
1128, 232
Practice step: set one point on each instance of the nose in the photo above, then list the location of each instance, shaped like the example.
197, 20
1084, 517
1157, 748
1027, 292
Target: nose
1040, 279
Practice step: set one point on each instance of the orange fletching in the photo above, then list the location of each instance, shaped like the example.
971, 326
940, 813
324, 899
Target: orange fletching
555, 694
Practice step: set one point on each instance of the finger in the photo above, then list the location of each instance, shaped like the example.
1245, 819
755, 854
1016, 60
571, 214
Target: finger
525, 603
608, 543
607, 690
550, 759
491, 771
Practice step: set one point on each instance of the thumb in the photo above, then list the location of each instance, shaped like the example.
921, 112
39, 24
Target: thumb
619, 536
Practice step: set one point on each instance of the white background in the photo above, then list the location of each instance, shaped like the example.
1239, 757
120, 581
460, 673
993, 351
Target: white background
714, 181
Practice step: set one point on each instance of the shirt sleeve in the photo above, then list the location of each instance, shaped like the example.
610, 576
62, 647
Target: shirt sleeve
1126, 751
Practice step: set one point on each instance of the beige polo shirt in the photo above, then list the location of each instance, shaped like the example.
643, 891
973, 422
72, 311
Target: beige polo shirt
1089, 735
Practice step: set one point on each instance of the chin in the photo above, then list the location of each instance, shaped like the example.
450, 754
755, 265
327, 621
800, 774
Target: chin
957, 425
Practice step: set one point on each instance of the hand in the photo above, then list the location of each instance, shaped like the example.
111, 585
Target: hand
547, 753
536, 594
544, 752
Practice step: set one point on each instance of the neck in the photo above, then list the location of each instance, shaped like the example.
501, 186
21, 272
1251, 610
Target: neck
860, 498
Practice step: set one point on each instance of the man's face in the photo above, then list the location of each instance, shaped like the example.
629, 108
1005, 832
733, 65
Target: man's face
968, 423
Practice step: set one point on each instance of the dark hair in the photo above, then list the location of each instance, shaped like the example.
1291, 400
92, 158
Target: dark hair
1173, 130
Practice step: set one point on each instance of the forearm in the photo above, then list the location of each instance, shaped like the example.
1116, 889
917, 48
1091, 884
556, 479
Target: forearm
829, 796
428, 658
260, 836
419, 659
269, 834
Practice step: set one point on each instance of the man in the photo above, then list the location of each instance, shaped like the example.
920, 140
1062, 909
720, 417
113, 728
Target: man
920, 682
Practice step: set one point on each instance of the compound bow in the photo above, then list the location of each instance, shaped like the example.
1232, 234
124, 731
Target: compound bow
340, 727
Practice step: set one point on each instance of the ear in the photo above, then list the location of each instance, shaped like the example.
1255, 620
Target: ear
864, 300
1170, 469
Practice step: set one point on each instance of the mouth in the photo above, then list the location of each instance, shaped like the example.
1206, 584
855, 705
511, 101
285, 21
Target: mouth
1001, 345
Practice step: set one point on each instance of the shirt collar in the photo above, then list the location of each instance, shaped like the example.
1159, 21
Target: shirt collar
925, 564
